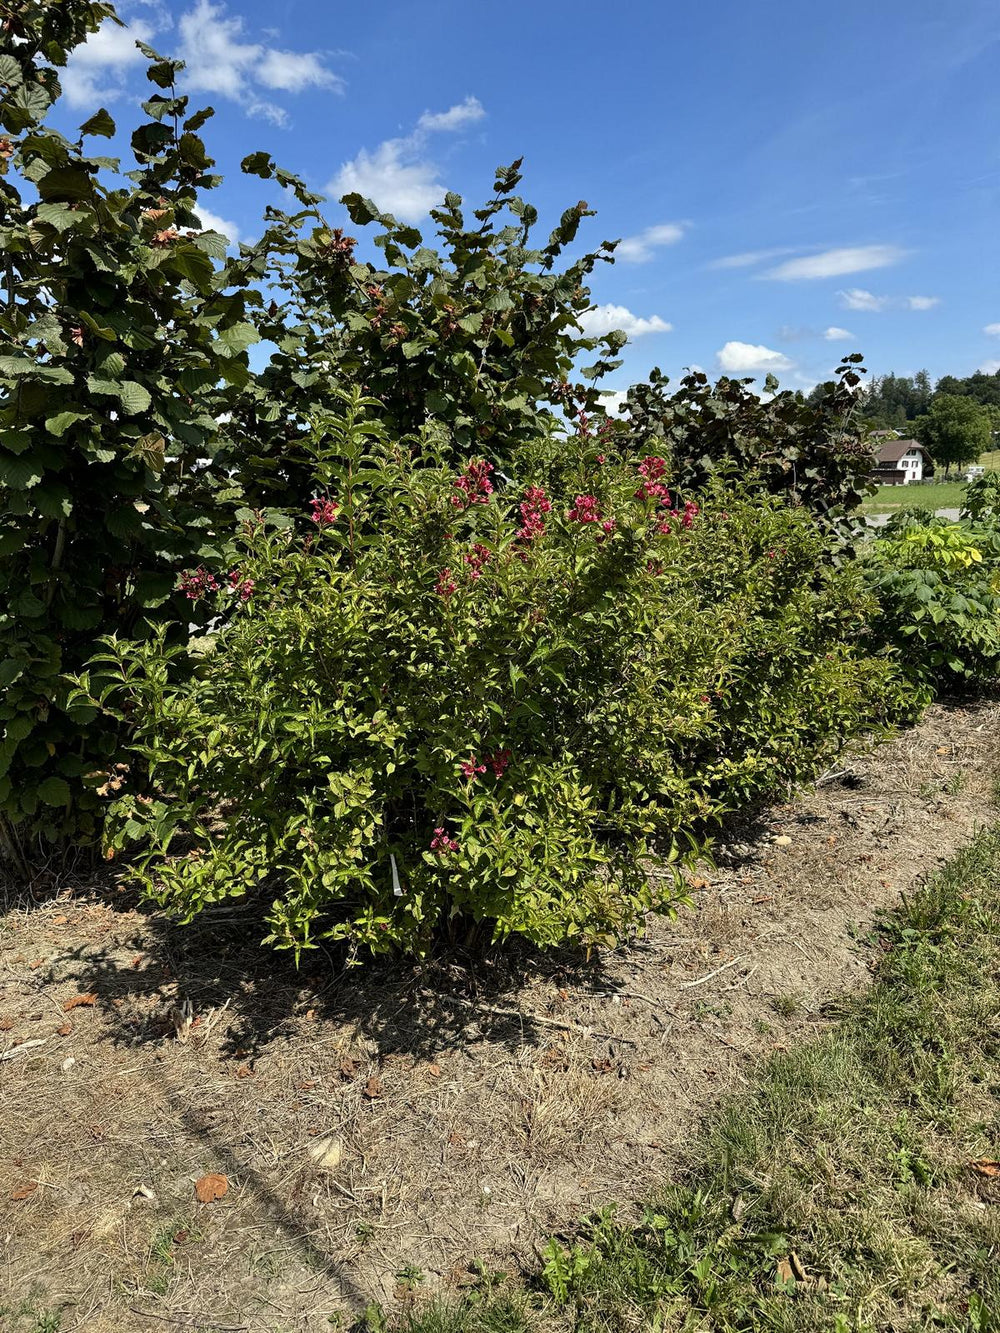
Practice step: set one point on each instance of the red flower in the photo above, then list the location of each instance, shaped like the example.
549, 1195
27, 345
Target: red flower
476, 559
498, 762
195, 584
469, 768
585, 510
324, 513
532, 508
609, 525
445, 585
475, 486
442, 844
244, 587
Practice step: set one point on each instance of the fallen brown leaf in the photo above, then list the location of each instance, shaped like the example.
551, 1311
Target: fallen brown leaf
6, 1024
245, 1071
181, 1236
373, 1088
434, 1070
80, 1001
137, 960
36, 964
211, 1187
306, 1084
24, 1191
348, 1068
60, 920
65, 1030
985, 1166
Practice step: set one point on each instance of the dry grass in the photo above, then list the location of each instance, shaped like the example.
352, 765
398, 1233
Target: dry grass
447, 1128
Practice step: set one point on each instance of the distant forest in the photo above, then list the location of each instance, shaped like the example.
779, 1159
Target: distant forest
896, 400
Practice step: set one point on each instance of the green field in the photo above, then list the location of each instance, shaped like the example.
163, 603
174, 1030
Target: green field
920, 495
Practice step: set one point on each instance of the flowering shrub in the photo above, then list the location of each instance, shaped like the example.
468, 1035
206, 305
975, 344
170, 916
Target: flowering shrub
504, 715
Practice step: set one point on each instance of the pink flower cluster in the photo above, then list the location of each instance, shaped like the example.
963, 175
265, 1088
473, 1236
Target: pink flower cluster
475, 486
324, 513
442, 844
498, 763
685, 517
476, 559
445, 585
651, 469
195, 584
535, 505
585, 510
244, 588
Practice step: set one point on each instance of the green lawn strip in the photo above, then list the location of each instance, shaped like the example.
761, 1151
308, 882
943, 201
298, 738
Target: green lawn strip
929, 495
837, 1195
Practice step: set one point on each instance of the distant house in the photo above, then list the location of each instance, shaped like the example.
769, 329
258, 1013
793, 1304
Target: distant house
898, 462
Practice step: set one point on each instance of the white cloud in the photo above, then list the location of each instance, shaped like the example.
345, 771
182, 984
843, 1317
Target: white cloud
835, 335
97, 71
750, 257
604, 318
639, 249
990, 367
922, 302
212, 222
856, 298
835, 263
613, 400
218, 61
992, 330
455, 118
409, 189
737, 356
397, 175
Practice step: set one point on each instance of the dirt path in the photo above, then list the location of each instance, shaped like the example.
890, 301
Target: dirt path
404, 1121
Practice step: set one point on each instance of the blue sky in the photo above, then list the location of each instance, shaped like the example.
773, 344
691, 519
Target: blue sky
792, 180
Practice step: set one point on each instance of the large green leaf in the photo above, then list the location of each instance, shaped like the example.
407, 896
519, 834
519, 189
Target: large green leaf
66, 183
21, 472
54, 791
10, 72
238, 337
99, 123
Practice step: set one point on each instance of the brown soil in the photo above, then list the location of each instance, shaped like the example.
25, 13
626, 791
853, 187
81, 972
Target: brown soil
378, 1122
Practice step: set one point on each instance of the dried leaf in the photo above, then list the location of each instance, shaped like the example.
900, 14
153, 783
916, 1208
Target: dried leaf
434, 1070
80, 1001
306, 1084
373, 1088
785, 1273
211, 1187
985, 1166
348, 1069
60, 920
181, 1236
24, 1191
36, 964
6, 1024
65, 1030
244, 1071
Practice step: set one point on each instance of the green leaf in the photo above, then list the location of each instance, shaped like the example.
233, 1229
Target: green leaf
20, 473
238, 337
54, 791
60, 216
10, 72
193, 264
100, 123
66, 183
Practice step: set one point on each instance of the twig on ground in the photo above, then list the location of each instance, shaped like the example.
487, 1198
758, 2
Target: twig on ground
537, 1018
637, 995
23, 1048
743, 980
191, 1321
687, 985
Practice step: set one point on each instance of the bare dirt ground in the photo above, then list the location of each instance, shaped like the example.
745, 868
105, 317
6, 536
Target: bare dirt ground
379, 1129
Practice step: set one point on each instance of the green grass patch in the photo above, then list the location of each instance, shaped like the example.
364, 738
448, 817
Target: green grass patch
920, 495
841, 1194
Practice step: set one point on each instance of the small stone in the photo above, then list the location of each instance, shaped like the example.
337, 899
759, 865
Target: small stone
327, 1153
783, 841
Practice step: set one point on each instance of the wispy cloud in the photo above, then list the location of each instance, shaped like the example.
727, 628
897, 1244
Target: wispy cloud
992, 330
219, 60
640, 249
738, 357
836, 263
857, 298
751, 257
834, 334
990, 367
455, 118
604, 318
397, 175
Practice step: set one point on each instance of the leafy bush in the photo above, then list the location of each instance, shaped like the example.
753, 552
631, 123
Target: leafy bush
442, 697
117, 353
939, 587
812, 451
